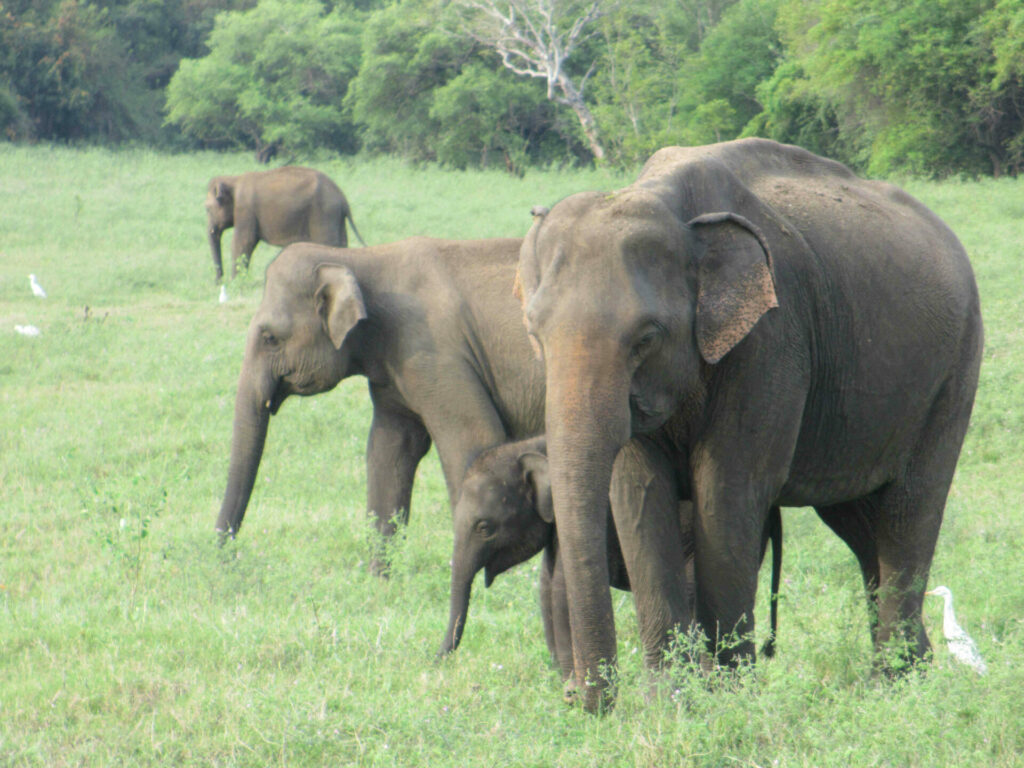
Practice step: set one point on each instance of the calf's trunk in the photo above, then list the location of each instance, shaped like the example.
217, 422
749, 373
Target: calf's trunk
462, 586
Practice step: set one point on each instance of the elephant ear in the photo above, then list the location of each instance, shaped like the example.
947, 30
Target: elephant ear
222, 191
535, 473
735, 281
339, 302
521, 289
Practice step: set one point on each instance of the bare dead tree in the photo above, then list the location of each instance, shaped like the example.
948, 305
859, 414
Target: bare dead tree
535, 38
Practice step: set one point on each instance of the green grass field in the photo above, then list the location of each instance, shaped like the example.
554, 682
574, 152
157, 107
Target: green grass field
128, 638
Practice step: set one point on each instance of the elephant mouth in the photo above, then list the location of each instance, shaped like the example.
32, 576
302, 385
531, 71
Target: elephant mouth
643, 417
273, 403
501, 564
288, 385
302, 384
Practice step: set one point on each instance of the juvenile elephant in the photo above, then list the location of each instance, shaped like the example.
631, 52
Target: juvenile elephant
436, 331
282, 206
787, 334
504, 517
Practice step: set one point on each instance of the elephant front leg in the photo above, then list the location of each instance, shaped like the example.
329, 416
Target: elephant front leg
730, 519
555, 612
218, 268
645, 506
396, 444
243, 243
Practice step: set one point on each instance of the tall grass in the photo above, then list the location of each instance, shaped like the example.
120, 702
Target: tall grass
128, 638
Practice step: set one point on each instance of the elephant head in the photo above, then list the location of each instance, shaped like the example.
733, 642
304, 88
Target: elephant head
631, 298
503, 517
220, 213
303, 340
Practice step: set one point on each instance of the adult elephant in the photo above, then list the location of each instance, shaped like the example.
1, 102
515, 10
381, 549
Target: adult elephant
791, 335
283, 206
435, 329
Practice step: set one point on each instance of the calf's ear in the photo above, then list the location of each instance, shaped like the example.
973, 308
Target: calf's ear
735, 281
535, 473
339, 302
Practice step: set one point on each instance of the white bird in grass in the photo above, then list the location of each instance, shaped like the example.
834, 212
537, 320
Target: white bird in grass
27, 330
223, 294
37, 289
959, 642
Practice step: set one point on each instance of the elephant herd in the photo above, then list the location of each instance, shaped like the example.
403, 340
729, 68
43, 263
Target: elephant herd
637, 386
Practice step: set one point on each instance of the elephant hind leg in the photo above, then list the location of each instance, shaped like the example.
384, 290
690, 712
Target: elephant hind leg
893, 533
855, 522
910, 513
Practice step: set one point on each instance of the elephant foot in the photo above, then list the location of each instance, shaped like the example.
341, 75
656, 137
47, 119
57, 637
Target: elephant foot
571, 692
598, 702
223, 536
380, 568
893, 663
707, 663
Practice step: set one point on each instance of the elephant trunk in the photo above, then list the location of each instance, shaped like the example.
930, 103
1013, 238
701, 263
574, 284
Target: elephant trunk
252, 416
587, 422
465, 566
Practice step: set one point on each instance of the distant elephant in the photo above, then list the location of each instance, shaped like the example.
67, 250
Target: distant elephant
504, 517
787, 334
434, 328
282, 206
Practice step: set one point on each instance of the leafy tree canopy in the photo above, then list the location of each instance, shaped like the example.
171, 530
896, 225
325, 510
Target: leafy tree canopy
932, 87
276, 75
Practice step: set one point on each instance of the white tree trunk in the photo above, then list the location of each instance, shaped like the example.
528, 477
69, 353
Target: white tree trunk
574, 99
531, 42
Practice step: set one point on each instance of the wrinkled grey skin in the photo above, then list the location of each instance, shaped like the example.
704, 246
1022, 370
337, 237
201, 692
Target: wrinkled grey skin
504, 517
434, 328
282, 206
785, 333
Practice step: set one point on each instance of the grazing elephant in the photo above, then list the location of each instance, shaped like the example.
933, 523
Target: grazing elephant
787, 334
435, 329
282, 206
504, 516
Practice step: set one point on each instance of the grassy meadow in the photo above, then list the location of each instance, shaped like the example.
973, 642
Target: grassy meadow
128, 638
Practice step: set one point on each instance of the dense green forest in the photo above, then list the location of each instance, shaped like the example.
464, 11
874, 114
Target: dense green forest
929, 87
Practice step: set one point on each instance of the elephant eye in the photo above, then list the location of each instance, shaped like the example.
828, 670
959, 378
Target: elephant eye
646, 343
269, 339
485, 528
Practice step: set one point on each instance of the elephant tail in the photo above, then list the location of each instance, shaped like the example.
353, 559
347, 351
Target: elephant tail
775, 536
348, 215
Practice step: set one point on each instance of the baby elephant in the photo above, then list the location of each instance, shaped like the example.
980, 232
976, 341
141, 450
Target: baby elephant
282, 206
504, 516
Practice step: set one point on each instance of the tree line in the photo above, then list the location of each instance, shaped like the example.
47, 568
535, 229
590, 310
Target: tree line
930, 87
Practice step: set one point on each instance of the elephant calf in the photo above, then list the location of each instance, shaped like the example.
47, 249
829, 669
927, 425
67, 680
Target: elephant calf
504, 516
282, 206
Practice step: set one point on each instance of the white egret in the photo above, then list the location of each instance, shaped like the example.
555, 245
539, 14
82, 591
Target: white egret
960, 644
37, 289
223, 294
27, 330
